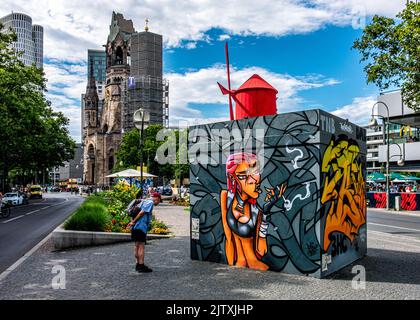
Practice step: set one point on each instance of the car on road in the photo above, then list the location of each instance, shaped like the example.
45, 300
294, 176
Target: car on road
165, 191
35, 191
15, 198
25, 197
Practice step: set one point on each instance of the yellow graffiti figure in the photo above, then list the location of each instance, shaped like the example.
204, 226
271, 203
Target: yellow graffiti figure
345, 189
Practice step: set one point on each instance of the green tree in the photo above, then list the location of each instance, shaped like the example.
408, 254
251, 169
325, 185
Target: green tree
391, 48
129, 152
33, 138
182, 169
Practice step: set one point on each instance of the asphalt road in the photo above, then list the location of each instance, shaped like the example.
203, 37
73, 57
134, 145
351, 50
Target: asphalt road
29, 224
394, 223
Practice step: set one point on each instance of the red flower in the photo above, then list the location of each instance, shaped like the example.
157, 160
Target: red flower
114, 221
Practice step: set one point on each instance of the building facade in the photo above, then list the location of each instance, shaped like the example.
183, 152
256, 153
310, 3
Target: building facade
72, 169
404, 136
130, 57
374, 138
98, 57
30, 38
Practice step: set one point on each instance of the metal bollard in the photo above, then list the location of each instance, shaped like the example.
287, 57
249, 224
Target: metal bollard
397, 203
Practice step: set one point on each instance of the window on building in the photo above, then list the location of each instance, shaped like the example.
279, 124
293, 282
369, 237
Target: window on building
119, 56
110, 163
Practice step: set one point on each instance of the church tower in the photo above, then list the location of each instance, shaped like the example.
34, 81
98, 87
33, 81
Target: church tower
117, 72
90, 129
130, 56
91, 105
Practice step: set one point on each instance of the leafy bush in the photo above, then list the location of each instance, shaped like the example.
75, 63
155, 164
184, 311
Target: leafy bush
122, 193
185, 201
106, 212
91, 216
158, 227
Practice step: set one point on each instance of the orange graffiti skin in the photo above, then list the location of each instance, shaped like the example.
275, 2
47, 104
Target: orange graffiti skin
246, 248
345, 189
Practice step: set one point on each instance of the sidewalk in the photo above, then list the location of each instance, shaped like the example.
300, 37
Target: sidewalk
107, 272
392, 211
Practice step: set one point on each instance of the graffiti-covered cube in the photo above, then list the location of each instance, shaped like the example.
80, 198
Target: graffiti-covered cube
282, 193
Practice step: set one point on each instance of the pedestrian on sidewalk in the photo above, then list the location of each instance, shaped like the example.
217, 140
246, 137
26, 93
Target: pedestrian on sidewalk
139, 226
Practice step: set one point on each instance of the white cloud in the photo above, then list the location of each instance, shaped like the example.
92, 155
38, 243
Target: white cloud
74, 114
370, 7
73, 26
66, 83
224, 37
200, 87
69, 80
358, 111
191, 45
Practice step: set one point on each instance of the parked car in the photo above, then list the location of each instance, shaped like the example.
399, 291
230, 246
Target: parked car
25, 197
165, 191
35, 191
55, 189
15, 198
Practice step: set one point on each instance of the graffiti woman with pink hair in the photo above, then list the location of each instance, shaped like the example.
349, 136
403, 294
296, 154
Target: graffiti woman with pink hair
245, 224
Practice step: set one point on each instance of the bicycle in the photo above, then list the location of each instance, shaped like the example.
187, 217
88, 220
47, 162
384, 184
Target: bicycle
5, 209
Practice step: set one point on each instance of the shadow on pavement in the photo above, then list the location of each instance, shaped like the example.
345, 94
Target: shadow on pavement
387, 266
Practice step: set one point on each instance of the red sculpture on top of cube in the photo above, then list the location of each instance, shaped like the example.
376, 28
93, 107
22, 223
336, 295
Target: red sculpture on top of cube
256, 97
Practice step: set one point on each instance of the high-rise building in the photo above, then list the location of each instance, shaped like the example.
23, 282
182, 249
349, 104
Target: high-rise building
30, 38
98, 58
145, 87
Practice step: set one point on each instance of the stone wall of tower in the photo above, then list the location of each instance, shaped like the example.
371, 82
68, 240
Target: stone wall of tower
112, 110
128, 54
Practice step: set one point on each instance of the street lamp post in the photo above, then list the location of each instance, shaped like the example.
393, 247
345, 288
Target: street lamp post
400, 161
141, 120
373, 122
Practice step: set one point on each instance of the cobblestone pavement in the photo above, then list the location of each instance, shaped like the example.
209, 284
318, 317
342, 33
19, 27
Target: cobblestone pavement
107, 272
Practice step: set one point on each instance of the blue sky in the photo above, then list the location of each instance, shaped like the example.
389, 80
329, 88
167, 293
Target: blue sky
302, 47
325, 52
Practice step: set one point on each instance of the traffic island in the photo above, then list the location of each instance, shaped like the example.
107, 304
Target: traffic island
68, 239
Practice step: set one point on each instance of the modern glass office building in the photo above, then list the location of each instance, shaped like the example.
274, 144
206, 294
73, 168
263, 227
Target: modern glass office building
30, 38
98, 58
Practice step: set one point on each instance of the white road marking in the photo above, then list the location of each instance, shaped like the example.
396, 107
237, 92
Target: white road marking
404, 241
395, 227
29, 213
13, 219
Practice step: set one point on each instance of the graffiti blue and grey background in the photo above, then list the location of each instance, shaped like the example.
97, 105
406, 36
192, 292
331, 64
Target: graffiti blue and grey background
290, 149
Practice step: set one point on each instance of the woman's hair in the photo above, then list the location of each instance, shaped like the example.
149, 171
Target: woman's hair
232, 163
